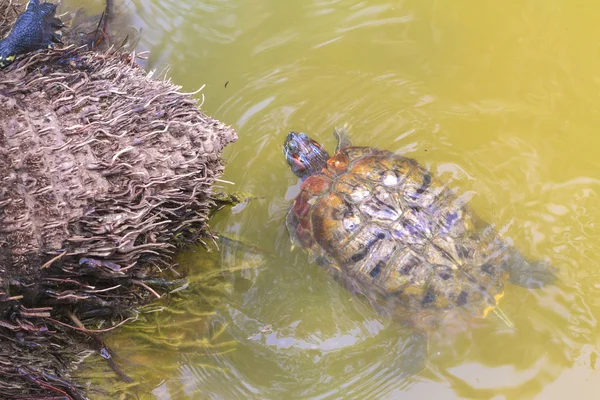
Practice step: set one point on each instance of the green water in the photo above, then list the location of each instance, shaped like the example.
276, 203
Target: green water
500, 99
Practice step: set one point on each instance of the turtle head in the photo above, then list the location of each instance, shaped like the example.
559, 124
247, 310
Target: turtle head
304, 155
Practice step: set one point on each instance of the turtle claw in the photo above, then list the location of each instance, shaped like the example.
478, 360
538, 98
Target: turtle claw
56, 38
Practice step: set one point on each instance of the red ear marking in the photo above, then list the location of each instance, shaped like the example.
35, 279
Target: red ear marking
299, 164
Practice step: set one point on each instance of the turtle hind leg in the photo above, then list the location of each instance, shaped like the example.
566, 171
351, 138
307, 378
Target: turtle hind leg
531, 274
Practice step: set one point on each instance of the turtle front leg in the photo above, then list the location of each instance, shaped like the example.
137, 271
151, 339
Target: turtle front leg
342, 137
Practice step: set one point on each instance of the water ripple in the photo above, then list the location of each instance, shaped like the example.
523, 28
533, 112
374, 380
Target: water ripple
498, 101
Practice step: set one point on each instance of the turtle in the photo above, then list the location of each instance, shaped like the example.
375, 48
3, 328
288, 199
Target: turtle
391, 232
36, 28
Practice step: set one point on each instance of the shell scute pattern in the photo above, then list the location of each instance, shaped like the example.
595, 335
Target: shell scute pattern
328, 221
353, 189
384, 219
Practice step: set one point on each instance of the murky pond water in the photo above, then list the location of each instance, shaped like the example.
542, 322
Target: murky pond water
500, 99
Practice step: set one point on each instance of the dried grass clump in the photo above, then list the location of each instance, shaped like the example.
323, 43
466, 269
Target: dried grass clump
103, 169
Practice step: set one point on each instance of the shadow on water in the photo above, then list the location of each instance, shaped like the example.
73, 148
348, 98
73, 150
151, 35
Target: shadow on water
173, 337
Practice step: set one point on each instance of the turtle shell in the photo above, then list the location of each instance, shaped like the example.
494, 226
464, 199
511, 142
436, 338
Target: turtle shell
388, 229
